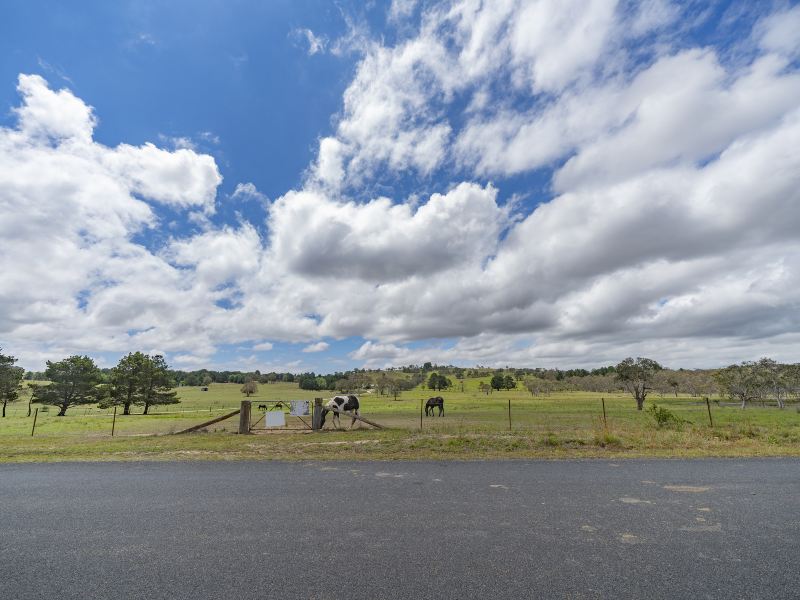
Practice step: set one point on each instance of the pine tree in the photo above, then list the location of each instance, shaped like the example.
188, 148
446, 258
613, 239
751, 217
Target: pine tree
73, 381
155, 385
124, 389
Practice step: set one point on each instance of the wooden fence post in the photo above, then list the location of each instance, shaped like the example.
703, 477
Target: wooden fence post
36, 414
509, 414
605, 421
420, 413
114, 422
316, 415
708, 406
244, 417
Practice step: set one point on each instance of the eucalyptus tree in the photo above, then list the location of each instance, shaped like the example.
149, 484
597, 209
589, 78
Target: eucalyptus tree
637, 376
10, 380
740, 382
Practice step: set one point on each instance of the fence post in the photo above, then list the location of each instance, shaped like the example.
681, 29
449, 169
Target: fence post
36, 414
114, 421
509, 414
420, 413
316, 415
708, 406
244, 417
605, 421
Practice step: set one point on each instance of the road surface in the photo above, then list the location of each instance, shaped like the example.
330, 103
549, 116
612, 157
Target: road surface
514, 529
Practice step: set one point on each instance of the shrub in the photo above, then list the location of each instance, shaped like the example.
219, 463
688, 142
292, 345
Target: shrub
664, 417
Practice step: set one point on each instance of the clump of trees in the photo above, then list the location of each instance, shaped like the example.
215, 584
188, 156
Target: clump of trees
761, 380
503, 382
537, 386
139, 380
439, 382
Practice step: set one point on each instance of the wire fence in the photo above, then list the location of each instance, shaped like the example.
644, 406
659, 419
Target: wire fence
477, 413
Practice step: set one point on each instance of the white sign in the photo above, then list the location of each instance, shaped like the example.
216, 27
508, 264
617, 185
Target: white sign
300, 408
275, 418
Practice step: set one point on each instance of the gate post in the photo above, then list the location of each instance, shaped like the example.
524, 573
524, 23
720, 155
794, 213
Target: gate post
244, 417
316, 415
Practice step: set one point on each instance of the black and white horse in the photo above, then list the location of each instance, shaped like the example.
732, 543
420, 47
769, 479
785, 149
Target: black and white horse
340, 404
437, 402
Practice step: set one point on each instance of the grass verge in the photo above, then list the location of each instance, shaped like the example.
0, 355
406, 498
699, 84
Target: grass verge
472, 444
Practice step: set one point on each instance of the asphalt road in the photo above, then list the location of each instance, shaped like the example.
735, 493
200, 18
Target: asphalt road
533, 529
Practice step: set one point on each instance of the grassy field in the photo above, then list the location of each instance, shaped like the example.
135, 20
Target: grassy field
567, 424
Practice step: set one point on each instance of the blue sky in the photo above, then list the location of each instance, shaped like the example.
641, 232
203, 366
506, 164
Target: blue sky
311, 185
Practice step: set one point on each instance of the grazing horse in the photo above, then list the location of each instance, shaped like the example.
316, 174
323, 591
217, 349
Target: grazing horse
262, 407
432, 403
340, 404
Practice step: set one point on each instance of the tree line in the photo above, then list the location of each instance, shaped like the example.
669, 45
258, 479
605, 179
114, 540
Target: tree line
764, 380
141, 380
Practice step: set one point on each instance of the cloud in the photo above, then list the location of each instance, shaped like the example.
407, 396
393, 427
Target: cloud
263, 347
248, 191
652, 15
318, 347
315, 43
779, 32
402, 9
52, 115
553, 42
181, 178
378, 241
218, 256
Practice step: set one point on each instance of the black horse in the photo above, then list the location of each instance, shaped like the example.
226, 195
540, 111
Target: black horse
432, 403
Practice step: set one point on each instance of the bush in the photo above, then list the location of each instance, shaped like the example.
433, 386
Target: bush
664, 417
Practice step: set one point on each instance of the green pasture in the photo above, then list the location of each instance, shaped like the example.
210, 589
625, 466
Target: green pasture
475, 425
